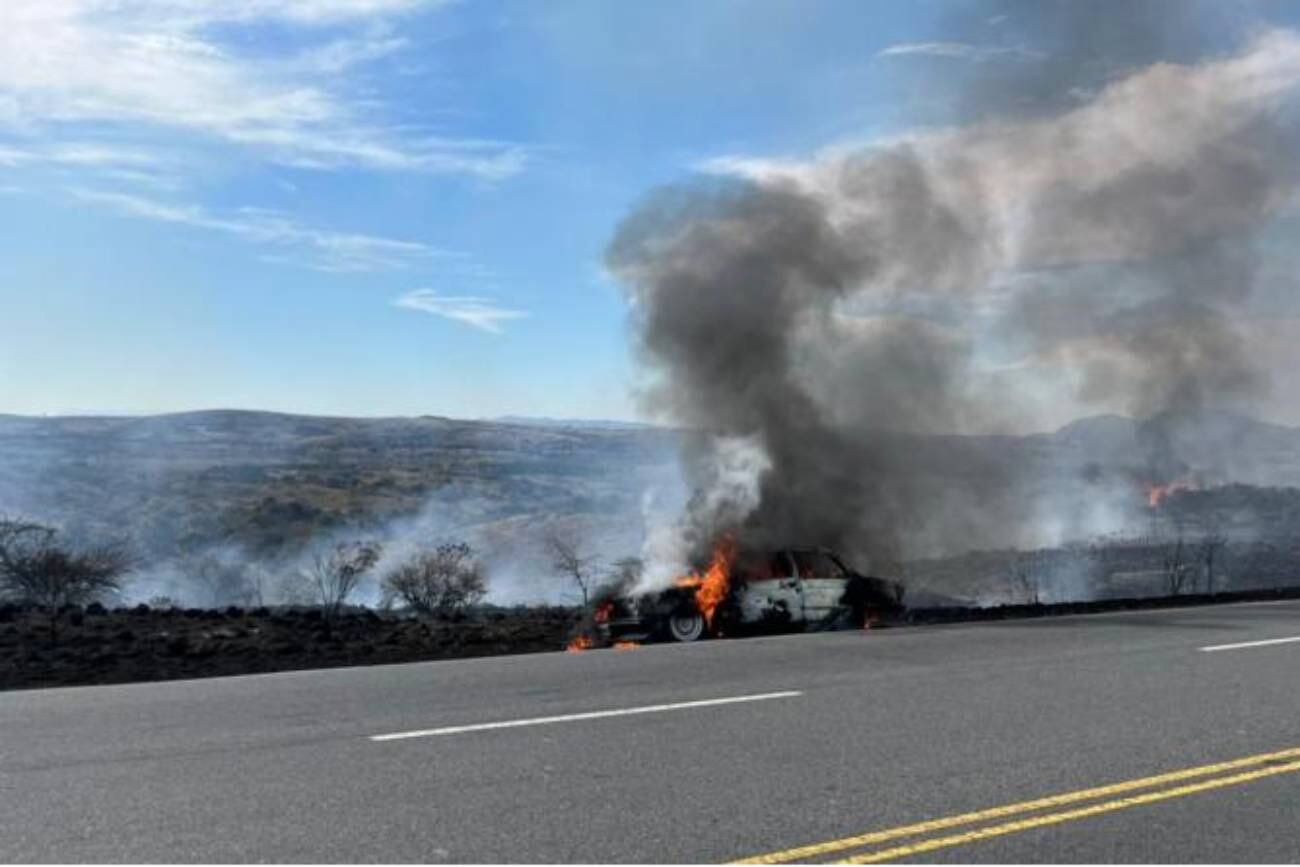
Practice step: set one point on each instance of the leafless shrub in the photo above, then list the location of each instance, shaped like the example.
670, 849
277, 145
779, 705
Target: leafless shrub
438, 582
335, 574
1173, 533
37, 569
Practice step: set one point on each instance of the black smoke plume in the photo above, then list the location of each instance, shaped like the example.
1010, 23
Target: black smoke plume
813, 316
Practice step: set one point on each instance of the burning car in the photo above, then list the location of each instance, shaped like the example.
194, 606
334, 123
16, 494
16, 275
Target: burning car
808, 588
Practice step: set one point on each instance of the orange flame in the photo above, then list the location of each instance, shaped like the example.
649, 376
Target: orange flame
603, 610
626, 645
712, 587
1157, 494
579, 644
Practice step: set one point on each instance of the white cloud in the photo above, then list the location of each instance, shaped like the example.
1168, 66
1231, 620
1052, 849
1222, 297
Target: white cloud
959, 51
101, 155
343, 54
166, 65
320, 249
79, 154
753, 168
305, 11
133, 165
481, 313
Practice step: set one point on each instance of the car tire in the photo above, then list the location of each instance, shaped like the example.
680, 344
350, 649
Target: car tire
686, 626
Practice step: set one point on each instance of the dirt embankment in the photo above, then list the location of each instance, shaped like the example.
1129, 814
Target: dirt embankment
98, 646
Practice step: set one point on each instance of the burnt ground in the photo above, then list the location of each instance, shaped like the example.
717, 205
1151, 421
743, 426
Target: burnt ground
99, 646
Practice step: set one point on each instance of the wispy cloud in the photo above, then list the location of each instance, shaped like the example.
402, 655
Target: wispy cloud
78, 154
305, 11
754, 168
481, 313
292, 242
171, 65
960, 51
134, 166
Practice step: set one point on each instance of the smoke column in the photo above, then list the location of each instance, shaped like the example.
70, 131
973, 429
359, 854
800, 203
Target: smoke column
1098, 249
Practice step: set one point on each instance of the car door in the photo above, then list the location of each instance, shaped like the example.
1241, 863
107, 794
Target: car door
772, 589
821, 584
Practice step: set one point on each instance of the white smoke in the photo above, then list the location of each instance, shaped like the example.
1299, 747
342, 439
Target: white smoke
729, 493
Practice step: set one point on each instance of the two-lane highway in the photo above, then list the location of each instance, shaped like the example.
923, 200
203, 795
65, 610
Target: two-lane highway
1149, 736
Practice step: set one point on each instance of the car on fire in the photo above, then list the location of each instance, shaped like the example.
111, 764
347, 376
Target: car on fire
792, 588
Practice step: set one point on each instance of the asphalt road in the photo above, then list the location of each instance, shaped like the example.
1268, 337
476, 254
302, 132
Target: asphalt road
887, 728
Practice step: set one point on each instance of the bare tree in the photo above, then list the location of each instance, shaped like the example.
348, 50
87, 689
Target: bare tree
335, 574
1176, 571
1023, 576
1213, 540
1210, 546
571, 559
36, 569
1172, 542
438, 582
258, 579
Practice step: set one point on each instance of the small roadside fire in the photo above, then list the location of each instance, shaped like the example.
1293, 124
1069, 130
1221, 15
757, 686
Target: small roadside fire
712, 586
599, 615
626, 645
1157, 494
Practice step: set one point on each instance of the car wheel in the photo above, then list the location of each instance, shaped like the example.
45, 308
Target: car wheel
686, 626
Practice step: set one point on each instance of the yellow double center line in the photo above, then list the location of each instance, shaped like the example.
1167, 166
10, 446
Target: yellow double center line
1281, 762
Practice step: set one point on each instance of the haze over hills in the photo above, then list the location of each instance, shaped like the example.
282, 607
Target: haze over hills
269, 485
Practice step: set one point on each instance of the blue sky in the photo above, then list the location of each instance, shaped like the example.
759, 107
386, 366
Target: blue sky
375, 207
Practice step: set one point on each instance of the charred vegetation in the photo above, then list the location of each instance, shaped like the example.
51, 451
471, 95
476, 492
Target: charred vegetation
100, 645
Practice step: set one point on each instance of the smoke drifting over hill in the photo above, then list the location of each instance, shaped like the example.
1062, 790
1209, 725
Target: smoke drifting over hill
1101, 250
